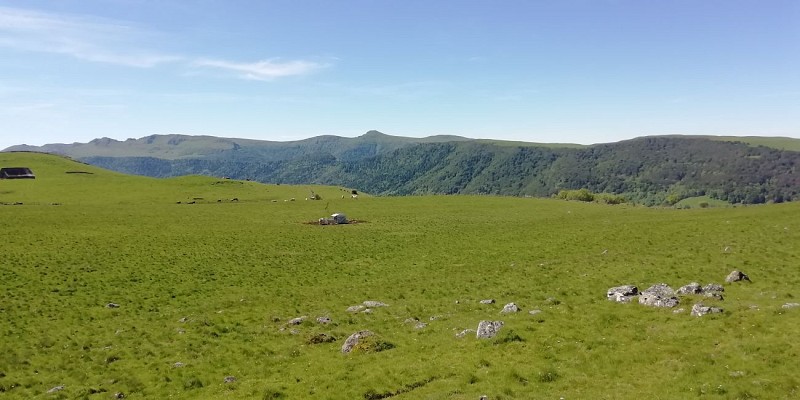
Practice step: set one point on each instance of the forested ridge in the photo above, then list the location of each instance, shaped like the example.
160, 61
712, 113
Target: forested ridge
648, 170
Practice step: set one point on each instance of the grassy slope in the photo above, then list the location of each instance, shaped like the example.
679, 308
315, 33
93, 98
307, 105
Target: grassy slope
240, 271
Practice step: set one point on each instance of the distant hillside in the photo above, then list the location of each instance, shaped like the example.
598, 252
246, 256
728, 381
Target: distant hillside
649, 170
176, 147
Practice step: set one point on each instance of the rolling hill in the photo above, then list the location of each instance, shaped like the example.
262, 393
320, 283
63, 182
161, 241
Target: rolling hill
649, 170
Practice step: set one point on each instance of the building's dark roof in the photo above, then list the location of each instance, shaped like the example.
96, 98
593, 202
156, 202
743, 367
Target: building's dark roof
16, 173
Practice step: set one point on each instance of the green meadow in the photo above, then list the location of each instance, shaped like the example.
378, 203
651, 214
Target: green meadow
206, 291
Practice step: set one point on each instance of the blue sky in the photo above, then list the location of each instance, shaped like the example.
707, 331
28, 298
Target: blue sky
540, 71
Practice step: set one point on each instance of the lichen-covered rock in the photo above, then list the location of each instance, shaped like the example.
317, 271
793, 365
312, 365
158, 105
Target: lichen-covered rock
713, 288
353, 340
622, 294
691, 288
509, 308
365, 342
736, 276
698, 310
488, 329
659, 295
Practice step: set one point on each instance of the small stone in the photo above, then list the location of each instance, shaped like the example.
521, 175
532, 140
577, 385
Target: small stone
373, 304
367, 311
112, 305
487, 301
692, 288
324, 320
183, 320
679, 310
488, 329
622, 294
118, 395
420, 325
713, 287
56, 389
698, 310
659, 295
509, 308
298, 320
410, 321
229, 379
465, 332
534, 312
736, 276
790, 305
178, 365
354, 309
353, 340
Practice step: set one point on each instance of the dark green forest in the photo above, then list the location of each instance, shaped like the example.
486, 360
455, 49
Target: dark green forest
648, 170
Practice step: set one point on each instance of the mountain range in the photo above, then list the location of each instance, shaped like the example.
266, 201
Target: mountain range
651, 170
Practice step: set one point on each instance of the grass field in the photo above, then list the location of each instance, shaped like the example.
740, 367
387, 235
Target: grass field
212, 286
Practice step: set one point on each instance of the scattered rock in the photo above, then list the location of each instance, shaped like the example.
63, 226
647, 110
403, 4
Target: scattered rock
373, 304
659, 295
118, 395
698, 310
534, 312
509, 308
484, 397
736, 276
353, 340
622, 294
183, 320
298, 320
229, 379
367, 311
714, 295
488, 329
324, 320
713, 288
321, 338
434, 317
420, 325
354, 309
56, 389
178, 365
487, 301
112, 305
465, 332
679, 310
365, 342
790, 305
410, 321
692, 288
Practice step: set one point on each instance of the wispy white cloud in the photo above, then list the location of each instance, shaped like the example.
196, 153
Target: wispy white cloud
263, 70
86, 38
117, 42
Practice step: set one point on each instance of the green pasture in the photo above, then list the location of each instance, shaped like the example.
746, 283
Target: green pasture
212, 286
